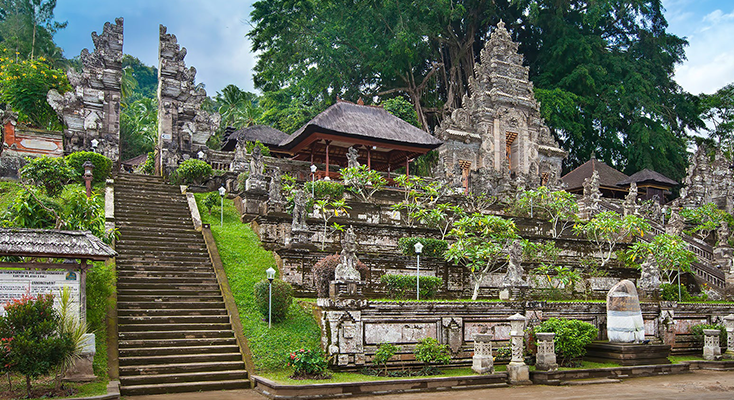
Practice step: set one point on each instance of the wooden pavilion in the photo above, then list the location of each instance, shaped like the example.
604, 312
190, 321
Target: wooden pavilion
608, 178
650, 184
384, 141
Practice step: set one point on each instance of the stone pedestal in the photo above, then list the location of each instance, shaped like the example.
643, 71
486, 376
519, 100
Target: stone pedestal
711, 349
517, 370
513, 293
256, 185
82, 370
346, 290
482, 361
729, 324
545, 360
628, 353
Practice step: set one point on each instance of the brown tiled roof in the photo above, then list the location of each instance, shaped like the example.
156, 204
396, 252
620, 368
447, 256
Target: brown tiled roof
135, 161
648, 176
53, 244
608, 176
265, 134
363, 122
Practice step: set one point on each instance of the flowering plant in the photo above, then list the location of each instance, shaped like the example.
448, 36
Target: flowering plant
307, 362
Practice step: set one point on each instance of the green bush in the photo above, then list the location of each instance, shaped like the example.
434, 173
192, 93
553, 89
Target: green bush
323, 272
307, 363
384, 353
328, 190
211, 200
282, 299
100, 287
102, 165
242, 181
265, 150
50, 173
669, 292
429, 351
402, 286
431, 247
572, 337
148, 167
697, 332
26, 212
30, 337
191, 171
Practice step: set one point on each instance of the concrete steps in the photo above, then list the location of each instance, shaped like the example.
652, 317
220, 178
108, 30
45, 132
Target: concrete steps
174, 333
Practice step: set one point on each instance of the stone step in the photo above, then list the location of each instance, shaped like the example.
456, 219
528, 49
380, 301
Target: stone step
137, 267
177, 319
183, 377
201, 304
126, 224
183, 259
173, 327
177, 350
176, 334
168, 295
194, 287
173, 250
141, 212
177, 312
208, 279
174, 368
179, 359
153, 274
145, 233
177, 342
183, 387
159, 241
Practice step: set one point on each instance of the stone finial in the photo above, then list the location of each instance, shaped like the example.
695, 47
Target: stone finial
545, 359
711, 348
624, 316
482, 361
729, 325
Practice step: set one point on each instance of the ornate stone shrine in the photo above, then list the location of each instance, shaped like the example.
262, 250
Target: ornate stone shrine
498, 137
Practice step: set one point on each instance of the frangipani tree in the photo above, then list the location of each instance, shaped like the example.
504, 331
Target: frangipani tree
482, 244
669, 252
559, 207
606, 230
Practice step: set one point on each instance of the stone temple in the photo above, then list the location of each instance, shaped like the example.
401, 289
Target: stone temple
498, 135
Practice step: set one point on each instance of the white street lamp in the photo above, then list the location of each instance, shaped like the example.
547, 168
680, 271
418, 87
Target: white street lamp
94, 144
222, 192
200, 154
313, 174
418, 250
271, 275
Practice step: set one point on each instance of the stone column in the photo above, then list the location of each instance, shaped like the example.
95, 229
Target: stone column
482, 361
545, 360
711, 349
518, 371
729, 324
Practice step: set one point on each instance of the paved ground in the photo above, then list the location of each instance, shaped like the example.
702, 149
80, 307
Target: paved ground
700, 385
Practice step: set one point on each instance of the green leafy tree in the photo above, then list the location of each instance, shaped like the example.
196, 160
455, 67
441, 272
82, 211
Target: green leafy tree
32, 339
430, 351
442, 216
559, 207
670, 253
210, 201
145, 78
362, 181
84, 213
327, 210
718, 109
705, 219
49, 173
384, 353
572, 337
606, 230
27, 28
402, 109
482, 243
139, 127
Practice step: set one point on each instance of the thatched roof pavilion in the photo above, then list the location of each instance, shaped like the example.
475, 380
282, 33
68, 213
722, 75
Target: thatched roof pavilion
650, 184
268, 136
608, 178
384, 141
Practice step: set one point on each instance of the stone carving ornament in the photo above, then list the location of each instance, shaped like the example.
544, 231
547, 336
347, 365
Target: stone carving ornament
299, 211
256, 163
650, 278
347, 268
630, 201
513, 277
722, 234
352, 155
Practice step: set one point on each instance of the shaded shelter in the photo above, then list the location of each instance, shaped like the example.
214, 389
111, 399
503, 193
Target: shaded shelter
650, 184
608, 178
267, 135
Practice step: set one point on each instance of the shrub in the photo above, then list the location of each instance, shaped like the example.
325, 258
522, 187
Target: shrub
282, 299
697, 332
242, 181
329, 190
669, 292
429, 351
265, 150
402, 286
431, 247
50, 173
86, 214
572, 337
102, 165
191, 171
384, 353
148, 167
31, 343
26, 212
100, 286
211, 200
307, 363
323, 272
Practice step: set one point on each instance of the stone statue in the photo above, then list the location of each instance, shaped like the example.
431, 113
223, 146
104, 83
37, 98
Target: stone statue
624, 316
299, 211
722, 234
274, 194
347, 268
513, 277
675, 224
630, 201
256, 162
352, 155
650, 279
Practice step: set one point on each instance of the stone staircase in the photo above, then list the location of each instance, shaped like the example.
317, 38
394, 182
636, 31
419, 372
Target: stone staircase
174, 331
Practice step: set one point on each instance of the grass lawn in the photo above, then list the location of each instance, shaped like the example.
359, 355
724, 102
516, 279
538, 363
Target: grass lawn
343, 377
8, 191
680, 359
44, 388
245, 262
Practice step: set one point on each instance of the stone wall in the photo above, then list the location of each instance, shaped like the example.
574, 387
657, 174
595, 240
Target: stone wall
91, 110
183, 126
352, 331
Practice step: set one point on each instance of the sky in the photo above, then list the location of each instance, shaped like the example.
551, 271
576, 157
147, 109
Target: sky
213, 32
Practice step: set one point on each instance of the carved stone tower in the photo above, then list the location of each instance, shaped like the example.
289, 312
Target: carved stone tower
183, 127
498, 133
91, 110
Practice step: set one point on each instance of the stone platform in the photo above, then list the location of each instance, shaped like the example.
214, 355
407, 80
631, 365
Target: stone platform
628, 353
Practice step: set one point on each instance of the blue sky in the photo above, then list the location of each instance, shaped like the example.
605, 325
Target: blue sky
213, 32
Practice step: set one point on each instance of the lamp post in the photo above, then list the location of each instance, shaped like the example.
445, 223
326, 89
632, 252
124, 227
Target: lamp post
271, 275
418, 250
94, 143
222, 192
313, 175
200, 154
88, 176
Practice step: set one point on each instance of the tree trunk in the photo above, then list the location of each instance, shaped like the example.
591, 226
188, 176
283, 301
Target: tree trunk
476, 289
28, 385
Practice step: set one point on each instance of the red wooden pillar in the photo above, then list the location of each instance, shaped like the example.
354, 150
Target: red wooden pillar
369, 157
407, 166
327, 157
